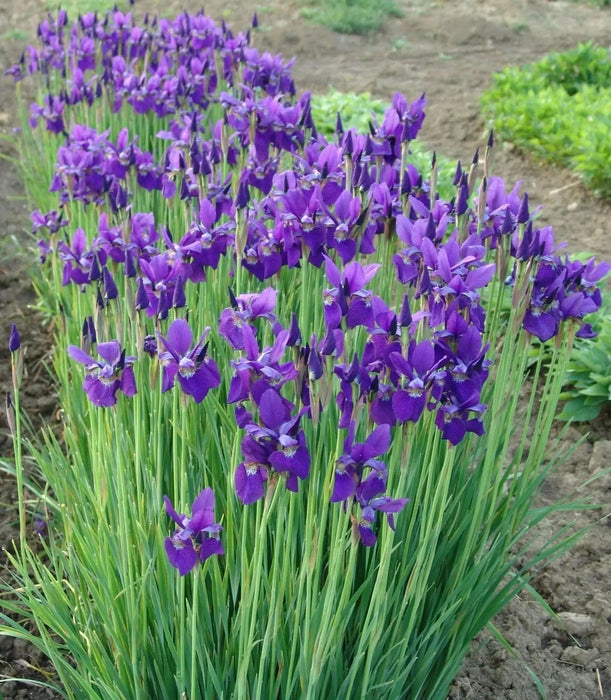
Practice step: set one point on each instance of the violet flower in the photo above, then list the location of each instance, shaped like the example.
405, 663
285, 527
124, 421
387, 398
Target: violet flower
278, 445
196, 538
251, 474
196, 373
358, 457
14, 339
244, 309
371, 498
104, 378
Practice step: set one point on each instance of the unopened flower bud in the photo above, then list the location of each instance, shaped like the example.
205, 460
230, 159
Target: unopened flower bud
14, 339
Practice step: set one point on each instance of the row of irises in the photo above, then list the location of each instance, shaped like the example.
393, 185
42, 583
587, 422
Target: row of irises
198, 171
162, 66
303, 214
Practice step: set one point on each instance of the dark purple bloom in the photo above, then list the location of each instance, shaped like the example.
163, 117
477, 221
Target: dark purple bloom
278, 445
77, 259
349, 298
110, 287
41, 526
159, 275
196, 373
245, 308
290, 454
149, 345
197, 537
106, 377
356, 458
455, 419
409, 400
14, 339
384, 504
251, 474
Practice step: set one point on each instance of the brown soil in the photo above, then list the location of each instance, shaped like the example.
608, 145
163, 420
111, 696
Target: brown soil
449, 50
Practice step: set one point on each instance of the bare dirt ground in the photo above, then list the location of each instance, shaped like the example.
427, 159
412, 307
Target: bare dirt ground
448, 50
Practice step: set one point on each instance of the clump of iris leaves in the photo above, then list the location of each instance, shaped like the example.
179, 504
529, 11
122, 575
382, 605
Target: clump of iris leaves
293, 457
559, 110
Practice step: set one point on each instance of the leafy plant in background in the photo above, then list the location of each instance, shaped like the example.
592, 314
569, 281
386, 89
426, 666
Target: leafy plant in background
287, 378
74, 7
559, 109
587, 64
351, 16
588, 378
356, 111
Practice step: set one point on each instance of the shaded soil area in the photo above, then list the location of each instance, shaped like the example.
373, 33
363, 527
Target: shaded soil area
448, 50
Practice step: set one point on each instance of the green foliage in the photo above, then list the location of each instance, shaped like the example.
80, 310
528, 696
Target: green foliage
586, 64
599, 3
357, 111
74, 7
351, 16
589, 372
559, 110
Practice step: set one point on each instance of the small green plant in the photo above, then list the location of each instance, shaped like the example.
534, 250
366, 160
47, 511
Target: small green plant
74, 7
356, 110
589, 374
586, 64
351, 16
559, 110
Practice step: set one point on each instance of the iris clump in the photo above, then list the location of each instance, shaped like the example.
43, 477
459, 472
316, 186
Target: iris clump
354, 385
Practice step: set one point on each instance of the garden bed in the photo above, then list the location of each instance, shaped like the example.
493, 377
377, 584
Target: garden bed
450, 55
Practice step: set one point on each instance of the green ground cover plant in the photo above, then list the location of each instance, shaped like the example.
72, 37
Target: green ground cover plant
351, 16
292, 460
588, 379
559, 110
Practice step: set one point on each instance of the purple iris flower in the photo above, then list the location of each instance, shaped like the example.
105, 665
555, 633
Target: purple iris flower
259, 370
52, 221
455, 418
279, 444
409, 400
371, 497
51, 111
160, 275
41, 526
106, 377
196, 373
77, 259
197, 537
342, 234
349, 298
14, 339
251, 474
208, 242
245, 308
356, 458
290, 455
